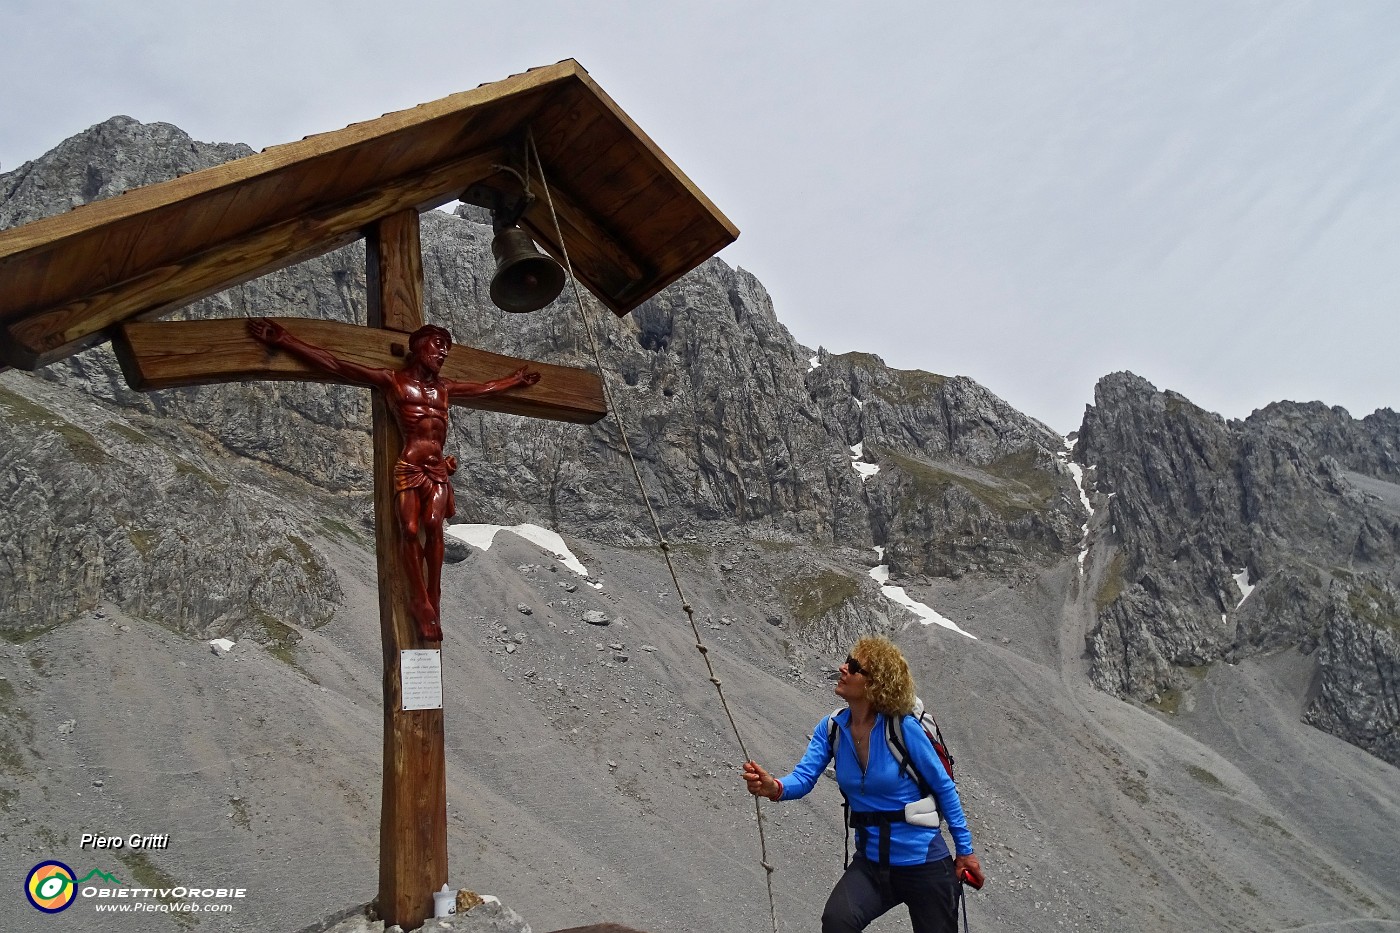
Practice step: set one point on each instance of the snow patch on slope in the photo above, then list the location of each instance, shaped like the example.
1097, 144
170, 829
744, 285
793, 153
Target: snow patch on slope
482, 536
927, 615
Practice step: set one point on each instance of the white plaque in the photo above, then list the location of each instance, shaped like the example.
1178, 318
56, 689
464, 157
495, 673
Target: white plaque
420, 677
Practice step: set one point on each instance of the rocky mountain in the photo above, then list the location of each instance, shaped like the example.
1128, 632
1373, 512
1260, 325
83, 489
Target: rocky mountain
1298, 503
1108, 716
733, 422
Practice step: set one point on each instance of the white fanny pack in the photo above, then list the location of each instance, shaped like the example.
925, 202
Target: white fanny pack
923, 812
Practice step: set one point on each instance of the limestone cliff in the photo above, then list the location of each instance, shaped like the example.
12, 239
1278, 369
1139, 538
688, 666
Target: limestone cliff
1299, 502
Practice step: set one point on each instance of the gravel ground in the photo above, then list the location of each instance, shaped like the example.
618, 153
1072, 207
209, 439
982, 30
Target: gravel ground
592, 775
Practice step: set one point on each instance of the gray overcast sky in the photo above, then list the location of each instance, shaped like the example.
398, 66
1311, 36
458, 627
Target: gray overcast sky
1032, 194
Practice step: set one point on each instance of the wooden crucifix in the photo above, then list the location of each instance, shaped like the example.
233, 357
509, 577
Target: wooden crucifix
408, 410
418, 396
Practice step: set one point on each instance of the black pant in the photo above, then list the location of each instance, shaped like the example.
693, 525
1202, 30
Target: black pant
866, 891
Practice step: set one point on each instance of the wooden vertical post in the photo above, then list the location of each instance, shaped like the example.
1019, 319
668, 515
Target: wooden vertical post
413, 812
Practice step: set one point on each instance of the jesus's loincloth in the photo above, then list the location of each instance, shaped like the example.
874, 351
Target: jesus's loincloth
425, 476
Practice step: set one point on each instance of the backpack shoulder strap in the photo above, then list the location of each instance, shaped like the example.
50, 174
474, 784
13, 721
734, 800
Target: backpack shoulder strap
894, 737
833, 730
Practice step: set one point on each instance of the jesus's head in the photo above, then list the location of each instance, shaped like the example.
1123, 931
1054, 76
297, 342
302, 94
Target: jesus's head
429, 345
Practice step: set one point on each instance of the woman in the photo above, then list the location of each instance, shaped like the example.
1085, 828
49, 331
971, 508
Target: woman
897, 862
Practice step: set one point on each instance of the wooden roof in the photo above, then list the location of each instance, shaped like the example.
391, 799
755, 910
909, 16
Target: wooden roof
633, 223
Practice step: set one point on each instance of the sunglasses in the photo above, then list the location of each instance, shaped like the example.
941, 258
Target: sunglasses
853, 666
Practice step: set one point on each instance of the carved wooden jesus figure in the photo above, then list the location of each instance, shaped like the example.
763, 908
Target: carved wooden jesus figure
418, 396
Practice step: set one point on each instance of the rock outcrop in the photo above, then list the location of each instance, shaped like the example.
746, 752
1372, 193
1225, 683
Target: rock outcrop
490, 917
137, 511
1299, 502
1359, 669
966, 484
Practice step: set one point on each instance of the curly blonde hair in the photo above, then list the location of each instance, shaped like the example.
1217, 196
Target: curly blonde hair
890, 686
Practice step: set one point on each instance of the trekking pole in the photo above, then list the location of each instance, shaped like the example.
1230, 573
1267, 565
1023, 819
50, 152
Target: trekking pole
965, 879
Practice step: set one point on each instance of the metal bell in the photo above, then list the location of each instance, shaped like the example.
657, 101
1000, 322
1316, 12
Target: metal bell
525, 278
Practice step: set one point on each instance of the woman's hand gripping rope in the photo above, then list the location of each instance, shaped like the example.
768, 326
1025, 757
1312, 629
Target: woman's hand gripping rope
760, 782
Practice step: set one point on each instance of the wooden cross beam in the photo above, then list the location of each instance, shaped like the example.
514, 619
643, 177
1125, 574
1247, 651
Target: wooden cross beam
413, 815
170, 354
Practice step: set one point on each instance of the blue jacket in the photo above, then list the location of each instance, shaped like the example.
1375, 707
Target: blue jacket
883, 785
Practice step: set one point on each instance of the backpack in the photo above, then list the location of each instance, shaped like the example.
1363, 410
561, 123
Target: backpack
930, 727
